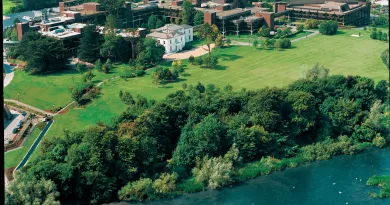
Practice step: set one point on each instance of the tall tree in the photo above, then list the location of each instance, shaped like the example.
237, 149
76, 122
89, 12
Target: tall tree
198, 141
152, 22
188, 13
109, 47
112, 6
303, 112
89, 44
132, 39
153, 51
199, 18
111, 23
43, 54
209, 34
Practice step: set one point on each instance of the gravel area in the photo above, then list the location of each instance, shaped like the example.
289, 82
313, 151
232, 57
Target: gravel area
198, 51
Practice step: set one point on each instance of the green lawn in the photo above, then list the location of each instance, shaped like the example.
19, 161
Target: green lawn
241, 67
7, 4
13, 158
48, 90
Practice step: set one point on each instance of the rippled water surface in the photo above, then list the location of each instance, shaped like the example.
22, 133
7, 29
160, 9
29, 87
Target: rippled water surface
313, 185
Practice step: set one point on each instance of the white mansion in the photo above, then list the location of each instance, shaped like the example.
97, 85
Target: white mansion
173, 37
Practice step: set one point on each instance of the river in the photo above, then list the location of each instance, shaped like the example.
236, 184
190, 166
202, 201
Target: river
306, 185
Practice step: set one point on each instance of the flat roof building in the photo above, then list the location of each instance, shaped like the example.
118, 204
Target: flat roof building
346, 12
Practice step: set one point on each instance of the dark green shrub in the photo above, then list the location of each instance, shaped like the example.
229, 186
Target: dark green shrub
328, 27
139, 72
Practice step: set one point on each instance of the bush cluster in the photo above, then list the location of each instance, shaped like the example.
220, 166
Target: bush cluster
206, 61
312, 23
328, 27
379, 35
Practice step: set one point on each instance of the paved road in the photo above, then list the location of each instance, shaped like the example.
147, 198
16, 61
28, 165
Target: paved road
239, 43
8, 70
28, 106
304, 37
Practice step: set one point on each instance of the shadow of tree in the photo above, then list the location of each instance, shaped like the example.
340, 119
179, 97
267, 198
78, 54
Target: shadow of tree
185, 74
220, 67
229, 57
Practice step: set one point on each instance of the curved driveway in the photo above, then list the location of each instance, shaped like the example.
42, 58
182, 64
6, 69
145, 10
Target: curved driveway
9, 70
198, 51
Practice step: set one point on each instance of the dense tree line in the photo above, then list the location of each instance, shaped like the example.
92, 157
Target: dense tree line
198, 136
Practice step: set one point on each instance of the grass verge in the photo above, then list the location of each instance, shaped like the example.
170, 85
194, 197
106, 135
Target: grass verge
13, 158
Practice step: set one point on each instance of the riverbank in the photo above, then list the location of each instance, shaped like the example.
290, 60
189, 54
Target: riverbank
317, 183
266, 165
320, 151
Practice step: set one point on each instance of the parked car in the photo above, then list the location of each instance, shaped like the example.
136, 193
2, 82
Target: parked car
24, 113
15, 130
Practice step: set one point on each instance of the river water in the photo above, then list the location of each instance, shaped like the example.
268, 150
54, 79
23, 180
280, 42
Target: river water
306, 185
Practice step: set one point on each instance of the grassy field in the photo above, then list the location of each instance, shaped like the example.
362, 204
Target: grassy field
241, 67
7, 4
48, 90
13, 158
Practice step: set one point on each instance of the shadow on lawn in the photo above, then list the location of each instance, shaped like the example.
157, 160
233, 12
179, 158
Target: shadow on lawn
68, 71
220, 67
229, 57
185, 74
339, 32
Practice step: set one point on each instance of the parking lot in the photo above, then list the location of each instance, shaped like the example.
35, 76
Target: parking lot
9, 125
